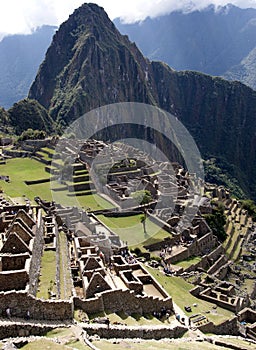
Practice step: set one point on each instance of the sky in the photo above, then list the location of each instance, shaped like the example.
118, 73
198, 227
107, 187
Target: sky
23, 16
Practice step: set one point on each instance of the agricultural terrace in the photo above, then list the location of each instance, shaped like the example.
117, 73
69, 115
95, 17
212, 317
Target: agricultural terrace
130, 229
20, 170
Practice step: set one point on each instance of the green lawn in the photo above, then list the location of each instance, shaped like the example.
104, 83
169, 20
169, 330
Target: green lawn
52, 345
47, 274
179, 289
65, 275
190, 261
21, 169
130, 229
88, 202
156, 345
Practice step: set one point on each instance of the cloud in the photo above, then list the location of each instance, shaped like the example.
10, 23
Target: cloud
23, 16
18, 16
135, 10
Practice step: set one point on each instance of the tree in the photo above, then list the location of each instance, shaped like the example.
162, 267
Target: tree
29, 114
31, 134
217, 221
250, 206
143, 197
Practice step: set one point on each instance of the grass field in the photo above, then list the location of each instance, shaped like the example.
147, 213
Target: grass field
52, 345
156, 345
65, 275
130, 229
179, 289
190, 261
22, 169
47, 274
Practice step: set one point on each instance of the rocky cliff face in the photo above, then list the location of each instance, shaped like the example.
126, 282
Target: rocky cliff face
90, 64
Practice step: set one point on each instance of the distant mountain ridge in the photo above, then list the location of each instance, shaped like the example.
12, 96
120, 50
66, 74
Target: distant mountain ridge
90, 64
244, 71
208, 41
20, 57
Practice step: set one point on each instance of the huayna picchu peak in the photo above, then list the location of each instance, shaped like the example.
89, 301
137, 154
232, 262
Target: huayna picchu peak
90, 64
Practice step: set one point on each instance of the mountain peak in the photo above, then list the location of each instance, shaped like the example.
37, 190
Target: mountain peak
87, 44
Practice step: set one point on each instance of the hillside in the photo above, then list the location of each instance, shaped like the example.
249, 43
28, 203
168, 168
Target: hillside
207, 41
20, 57
90, 64
245, 71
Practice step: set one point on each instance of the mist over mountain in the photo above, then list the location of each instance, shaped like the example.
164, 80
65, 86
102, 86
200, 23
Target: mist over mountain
20, 57
209, 41
90, 64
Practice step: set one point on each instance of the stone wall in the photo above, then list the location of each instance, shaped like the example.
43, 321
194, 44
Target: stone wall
229, 327
247, 315
160, 223
35, 264
216, 253
13, 280
20, 303
218, 264
36, 143
15, 153
13, 262
222, 272
23, 330
233, 304
90, 306
122, 332
119, 300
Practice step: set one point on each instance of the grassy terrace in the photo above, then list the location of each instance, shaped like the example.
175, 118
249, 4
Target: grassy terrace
159, 345
52, 345
65, 276
179, 289
47, 274
22, 169
130, 229
190, 261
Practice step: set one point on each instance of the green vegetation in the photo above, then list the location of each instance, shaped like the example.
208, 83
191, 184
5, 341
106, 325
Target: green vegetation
219, 172
31, 134
188, 262
52, 345
44, 344
47, 274
65, 276
156, 345
131, 229
217, 221
86, 201
179, 289
27, 114
142, 197
250, 206
20, 170
5, 122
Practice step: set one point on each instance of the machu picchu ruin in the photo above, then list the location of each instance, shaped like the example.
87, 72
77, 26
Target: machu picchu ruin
119, 265
128, 186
